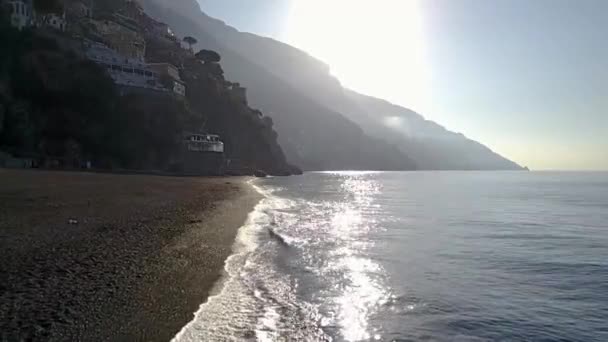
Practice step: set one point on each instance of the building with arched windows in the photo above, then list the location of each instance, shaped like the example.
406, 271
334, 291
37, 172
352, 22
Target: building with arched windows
202, 154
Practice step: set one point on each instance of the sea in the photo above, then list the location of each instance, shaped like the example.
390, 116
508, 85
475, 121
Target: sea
417, 256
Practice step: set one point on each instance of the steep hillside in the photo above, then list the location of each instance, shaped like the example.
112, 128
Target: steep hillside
299, 92
429, 144
60, 109
312, 135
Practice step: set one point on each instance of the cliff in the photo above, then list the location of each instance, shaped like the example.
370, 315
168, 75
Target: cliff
313, 136
310, 98
56, 105
428, 143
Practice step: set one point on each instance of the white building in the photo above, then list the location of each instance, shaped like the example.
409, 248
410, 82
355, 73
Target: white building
204, 143
124, 71
131, 72
22, 13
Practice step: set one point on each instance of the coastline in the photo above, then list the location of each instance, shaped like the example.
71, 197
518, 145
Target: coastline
112, 257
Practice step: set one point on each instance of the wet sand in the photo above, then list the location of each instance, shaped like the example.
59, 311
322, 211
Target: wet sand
99, 257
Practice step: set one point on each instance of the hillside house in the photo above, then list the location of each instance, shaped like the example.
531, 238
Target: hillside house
53, 20
169, 72
126, 72
79, 9
239, 93
203, 143
160, 30
202, 154
21, 13
163, 30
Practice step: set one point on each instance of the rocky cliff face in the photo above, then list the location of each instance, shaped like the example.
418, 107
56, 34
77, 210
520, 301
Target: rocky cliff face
301, 95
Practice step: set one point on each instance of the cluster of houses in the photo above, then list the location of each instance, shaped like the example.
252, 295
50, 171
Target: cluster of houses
113, 41
116, 42
22, 15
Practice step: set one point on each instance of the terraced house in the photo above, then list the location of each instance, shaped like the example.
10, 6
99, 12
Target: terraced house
21, 12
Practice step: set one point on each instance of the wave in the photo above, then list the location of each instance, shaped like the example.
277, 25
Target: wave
254, 300
246, 242
278, 237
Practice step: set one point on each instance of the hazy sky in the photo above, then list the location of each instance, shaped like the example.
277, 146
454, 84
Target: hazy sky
529, 78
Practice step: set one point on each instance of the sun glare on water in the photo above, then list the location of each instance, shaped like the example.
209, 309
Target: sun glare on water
372, 46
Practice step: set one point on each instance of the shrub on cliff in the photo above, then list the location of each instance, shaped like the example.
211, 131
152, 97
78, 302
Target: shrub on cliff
208, 56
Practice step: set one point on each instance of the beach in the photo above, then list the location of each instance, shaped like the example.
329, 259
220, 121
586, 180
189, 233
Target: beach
99, 257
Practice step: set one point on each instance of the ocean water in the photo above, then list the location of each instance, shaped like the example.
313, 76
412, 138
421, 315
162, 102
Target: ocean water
419, 256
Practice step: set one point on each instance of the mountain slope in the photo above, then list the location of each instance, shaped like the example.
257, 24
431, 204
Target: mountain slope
313, 136
299, 92
429, 144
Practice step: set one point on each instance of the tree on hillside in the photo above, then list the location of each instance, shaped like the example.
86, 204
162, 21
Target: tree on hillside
190, 41
208, 56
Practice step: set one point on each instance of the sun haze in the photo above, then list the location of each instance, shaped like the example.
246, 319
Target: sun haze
374, 47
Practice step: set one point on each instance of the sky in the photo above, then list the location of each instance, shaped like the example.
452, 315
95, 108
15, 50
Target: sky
528, 78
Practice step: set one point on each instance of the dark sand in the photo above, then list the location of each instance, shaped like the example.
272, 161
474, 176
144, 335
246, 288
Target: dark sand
142, 257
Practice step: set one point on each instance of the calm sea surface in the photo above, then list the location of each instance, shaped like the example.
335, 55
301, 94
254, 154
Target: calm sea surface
421, 256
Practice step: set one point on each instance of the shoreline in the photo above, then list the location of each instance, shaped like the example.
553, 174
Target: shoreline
112, 257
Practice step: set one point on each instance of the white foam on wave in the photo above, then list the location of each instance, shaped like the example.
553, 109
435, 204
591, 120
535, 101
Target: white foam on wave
249, 302
247, 240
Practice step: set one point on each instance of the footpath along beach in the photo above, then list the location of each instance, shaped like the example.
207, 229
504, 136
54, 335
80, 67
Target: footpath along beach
98, 257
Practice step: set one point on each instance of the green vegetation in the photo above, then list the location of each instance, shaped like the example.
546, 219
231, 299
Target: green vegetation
208, 56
